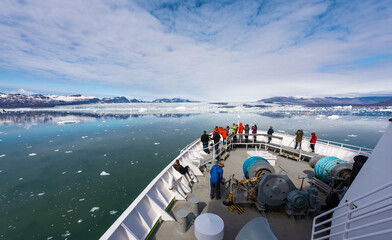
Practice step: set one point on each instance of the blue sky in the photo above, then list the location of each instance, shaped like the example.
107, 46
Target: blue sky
202, 50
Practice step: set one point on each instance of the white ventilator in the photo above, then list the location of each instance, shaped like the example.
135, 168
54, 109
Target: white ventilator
209, 226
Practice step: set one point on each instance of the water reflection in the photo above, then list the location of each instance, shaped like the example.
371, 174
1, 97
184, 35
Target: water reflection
23, 117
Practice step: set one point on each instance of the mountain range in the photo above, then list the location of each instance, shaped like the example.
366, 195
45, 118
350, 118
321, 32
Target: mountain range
41, 100
331, 101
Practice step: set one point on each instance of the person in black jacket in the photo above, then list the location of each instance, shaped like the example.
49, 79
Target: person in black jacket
205, 138
183, 170
216, 138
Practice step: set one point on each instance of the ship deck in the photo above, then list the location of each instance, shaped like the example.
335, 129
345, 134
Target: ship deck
283, 226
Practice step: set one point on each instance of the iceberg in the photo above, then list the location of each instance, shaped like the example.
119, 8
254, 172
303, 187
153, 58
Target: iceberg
103, 173
32, 154
333, 117
94, 209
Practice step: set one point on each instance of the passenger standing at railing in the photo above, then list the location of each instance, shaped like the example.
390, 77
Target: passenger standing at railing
224, 135
215, 130
298, 139
235, 132
254, 131
270, 132
246, 132
205, 138
216, 138
241, 130
313, 141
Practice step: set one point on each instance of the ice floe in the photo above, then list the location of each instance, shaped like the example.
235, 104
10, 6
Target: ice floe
79, 171
29, 147
56, 150
20, 179
80, 220
352, 135
103, 173
68, 151
68, 122
82, 199
41, 194
157, 143
3, 155
112, 212
32, 154
64, 172
66, 234
94, 209
334, 117
84, 137
70, 210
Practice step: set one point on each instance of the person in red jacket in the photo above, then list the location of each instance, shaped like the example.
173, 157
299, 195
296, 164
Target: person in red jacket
313, 141
241, 130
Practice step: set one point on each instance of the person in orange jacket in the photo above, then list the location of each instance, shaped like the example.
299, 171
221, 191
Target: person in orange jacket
224, 135
215, 130
241, 130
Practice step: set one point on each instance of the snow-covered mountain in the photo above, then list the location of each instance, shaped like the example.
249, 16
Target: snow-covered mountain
331, 101
44, 100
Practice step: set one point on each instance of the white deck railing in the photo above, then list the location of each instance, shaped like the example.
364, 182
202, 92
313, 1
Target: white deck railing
351, 217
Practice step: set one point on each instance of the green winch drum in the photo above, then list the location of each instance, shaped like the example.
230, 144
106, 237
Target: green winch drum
328, 167
254, 166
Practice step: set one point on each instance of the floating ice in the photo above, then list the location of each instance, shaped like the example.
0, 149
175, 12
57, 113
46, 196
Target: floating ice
1, 140
70, 210
41, 194
66, 234
1, 171
79, 171
334, 117
84, 137
20, 179
50, 141
29, 147
281, 131
112, 212
68, 122
156, 154
103, 173
32, 154
80, 220
94, 209
352, 135
63, 173
68, 151
56, 150
103, 121
48, 238
2, 155
104, 155
157, 143
82, 199
346, 140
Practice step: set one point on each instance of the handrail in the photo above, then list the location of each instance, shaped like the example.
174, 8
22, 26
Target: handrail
349, 209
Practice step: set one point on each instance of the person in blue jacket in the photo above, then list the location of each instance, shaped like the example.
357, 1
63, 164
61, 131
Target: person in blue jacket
215, 180
270, 132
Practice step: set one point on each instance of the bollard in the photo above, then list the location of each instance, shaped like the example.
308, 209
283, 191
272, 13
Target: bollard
195, 205
182, 219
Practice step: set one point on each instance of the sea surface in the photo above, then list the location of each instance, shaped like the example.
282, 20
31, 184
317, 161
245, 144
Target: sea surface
70, 175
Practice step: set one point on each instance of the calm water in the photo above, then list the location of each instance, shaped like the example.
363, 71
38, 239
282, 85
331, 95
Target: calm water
50, 174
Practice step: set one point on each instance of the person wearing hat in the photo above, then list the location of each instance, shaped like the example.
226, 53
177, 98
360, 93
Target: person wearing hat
216, 173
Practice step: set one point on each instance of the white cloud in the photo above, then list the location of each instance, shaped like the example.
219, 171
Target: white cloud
241, 50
